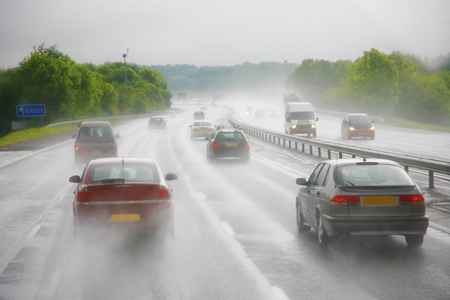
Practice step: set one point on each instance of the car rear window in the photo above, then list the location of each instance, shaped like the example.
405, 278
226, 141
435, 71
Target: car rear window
127, 173
372, 175
202, 124
230, 136
97, 134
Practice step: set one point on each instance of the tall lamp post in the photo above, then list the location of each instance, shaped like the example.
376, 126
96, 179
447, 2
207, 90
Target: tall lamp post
125, 63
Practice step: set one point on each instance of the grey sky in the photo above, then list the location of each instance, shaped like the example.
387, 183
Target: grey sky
219, 32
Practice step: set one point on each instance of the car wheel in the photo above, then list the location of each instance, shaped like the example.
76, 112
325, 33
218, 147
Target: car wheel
314, 133
414, 240
301, 227
322, 237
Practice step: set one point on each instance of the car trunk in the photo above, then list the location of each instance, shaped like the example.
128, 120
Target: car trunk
114, 192
382, 201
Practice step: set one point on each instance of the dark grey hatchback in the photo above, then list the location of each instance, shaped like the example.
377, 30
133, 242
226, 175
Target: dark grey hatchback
361, 197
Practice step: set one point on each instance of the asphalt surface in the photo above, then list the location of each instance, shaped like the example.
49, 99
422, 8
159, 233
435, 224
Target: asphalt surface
438, 212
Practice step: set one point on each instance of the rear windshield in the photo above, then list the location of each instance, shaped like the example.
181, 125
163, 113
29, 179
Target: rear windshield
156, 120
97, 134
230, 136
202, 124
302, 115
372, 175
127, 173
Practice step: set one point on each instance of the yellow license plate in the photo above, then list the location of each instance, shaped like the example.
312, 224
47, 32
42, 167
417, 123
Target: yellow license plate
380, 200
203, 129
96, 152
126, 218
231, 145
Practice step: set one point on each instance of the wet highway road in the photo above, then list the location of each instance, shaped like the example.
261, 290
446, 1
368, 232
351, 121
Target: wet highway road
235, 233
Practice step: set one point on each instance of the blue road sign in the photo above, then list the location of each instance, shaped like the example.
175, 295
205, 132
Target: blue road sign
32, 110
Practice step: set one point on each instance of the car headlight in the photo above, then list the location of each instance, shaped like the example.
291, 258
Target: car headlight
372, 128
351, 128
313, 126
294, 126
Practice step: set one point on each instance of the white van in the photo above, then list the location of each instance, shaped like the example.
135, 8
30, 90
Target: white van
299, 118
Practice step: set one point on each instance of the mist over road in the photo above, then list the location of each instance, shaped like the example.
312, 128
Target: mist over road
235, 230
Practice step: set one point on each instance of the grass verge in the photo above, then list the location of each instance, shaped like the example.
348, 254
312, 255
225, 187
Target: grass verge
33, 134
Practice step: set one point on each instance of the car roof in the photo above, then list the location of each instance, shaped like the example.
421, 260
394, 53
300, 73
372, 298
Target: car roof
118, 160
156, 117
95, 123
357, 114
230, 130
353, 161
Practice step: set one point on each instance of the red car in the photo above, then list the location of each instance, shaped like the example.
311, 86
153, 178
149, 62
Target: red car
124, 192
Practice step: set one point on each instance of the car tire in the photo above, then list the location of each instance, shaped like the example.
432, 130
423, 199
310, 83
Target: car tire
322, 237
301, 227
314, 133
414, 240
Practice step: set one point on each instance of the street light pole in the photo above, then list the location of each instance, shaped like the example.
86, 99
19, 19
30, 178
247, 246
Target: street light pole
125, 63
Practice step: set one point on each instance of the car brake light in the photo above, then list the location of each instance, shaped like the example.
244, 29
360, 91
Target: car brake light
344, 200
82, 195
210, 129
164, 193
215, 145
195, 129
246, 145
163, 123
414, 199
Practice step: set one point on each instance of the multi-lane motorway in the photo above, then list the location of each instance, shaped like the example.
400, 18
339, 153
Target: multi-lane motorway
235, 231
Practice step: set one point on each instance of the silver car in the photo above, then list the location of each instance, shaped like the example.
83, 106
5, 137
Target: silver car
361, 197
202, 128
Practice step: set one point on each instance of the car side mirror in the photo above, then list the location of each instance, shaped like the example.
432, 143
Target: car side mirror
74, 136
75, 179
317, 119
171, 176
301, 181
117, 135
207, 138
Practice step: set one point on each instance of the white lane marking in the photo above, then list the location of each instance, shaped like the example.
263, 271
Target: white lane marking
33, 153
279, 293
228, 228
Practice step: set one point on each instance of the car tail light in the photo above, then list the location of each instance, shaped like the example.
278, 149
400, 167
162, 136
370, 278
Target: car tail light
246, 145
164, 193
344, 200
163, 123
210, 129
195, 129
215, 145
82, 194
413, 199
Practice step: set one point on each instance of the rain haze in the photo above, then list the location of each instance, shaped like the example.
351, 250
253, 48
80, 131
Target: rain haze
229, 214
213, 33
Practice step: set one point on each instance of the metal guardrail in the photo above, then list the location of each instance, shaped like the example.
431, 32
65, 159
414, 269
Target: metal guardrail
327, 148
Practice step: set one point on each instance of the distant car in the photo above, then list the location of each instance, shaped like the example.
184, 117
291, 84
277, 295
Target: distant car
202, 128
94, 139
273, 113
260, 114
361, 197
157, 122
357, 125
199, 115
123, 192
228, 143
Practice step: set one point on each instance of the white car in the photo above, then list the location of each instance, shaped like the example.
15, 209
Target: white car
202, 128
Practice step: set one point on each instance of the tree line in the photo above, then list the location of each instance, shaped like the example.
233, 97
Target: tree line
72, 91
390, 85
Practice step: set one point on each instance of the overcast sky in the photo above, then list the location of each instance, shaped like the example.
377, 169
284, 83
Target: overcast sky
219, 32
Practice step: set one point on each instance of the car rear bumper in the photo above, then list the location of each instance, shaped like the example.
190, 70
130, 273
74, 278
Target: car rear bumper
376, 226
141, 216
202, 133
